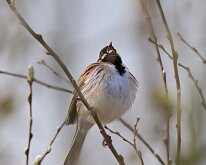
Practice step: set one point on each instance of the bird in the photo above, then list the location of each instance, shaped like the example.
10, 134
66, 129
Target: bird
109, 87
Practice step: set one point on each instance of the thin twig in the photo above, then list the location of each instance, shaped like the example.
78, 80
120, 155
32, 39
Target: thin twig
36, 81
42, 62
161, 47
48, 150
50, 51
129, 127
153, 39
138, 152
166, 137
195, 82
30, 135
118, 134
54, 72
133, 145
176, 74
193, 48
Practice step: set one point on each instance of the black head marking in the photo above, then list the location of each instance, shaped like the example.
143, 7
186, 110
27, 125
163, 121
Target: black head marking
109, 54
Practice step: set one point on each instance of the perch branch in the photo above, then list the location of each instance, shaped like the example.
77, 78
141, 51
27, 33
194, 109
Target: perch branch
50, 51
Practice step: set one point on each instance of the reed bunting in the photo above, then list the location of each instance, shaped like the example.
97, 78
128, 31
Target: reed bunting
109, 88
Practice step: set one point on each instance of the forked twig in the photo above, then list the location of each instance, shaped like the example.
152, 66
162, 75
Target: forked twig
161, 47
154, 38
177, 80
195, 82
129, 127
118, 134
193, 48
133, 145
42, 62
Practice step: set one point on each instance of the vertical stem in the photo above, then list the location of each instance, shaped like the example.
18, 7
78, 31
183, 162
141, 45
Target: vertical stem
30, 78
166, 138
176, 75
166, 128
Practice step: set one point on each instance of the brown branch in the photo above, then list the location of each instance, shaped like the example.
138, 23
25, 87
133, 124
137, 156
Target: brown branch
139, 136
39, 159
166, 137
30, 77
153, 39
176, 74
36, 81
42, 62
138, 152
161, 47
133, 145
118, 134
192, 48
195, 82
50, 51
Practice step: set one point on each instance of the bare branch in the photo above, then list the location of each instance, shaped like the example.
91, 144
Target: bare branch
195, 82
50, 51
193, 48
153, 39
42, 62
176, 74
39, 159
36, 81
133, 145
139, 136
161, 47
166, 136
30, 78
138, 152
118, 134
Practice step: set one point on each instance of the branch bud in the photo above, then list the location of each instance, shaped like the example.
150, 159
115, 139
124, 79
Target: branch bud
37, 160
30, 73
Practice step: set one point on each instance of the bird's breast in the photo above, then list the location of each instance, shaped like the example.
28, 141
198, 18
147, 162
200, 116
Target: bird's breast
110, 93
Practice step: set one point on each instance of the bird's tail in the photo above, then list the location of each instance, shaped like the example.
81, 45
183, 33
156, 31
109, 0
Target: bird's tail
75, 150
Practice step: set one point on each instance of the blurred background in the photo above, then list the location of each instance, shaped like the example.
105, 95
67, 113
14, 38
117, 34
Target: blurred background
77, 31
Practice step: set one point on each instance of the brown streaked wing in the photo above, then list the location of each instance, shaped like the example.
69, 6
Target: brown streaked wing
72, 113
